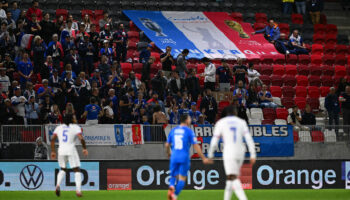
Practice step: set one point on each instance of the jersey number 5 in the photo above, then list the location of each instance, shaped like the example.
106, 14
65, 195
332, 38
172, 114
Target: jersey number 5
233, 129
65, 136
178, 142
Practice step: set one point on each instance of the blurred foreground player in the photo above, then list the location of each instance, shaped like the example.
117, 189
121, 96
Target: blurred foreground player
67, 134
232, 130
180, 140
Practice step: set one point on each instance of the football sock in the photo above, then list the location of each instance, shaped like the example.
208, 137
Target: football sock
228, 190
237, 187
61, 174
78, 181
179, 186
172, 181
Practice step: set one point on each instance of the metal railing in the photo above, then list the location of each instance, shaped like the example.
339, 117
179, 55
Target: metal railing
21, 133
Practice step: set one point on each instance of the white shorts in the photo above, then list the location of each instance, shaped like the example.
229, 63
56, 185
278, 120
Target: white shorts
233, 166
74, 160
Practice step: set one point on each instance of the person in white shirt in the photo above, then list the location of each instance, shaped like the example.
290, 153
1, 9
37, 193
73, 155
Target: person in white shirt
18, 102
253, 75
4, 81
66, 135
232, 130
209, 74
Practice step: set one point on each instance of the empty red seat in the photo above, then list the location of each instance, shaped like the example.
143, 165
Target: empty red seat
303, 70
341, 49
315, 70
324, 91
340, 60
269, 113
340, 70
302, 80
304, 59
291, 70
279, 59
289, 80
237, 16
260, 17
328, 59
313, 92
284, 27
317, 49
223, 104
292, 59
300, 91
132, 46
314, 81
319, 39
300, 102
331, 29
331, 39
258, 26
133, 36
319, 28
314, 104
276, 91
288, 91
265, 79
126, 67
316, 59
266, 70
276, 80
281, 113
327, 70
329, 49
297, 18
317, 136
326, 81
267, 59
278, 70
287, 102
138, 67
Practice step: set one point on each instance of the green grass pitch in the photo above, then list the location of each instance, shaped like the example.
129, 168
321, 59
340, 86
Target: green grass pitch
185, 195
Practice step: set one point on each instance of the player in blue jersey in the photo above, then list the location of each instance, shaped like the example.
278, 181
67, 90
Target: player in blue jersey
179, 141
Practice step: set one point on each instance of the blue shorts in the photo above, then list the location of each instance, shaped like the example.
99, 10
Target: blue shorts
177, 168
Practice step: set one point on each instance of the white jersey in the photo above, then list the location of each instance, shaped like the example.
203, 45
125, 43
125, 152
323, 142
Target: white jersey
66, 138
232, 130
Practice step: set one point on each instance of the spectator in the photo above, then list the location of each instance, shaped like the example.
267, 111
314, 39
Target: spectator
45, 90
11, 23
70, 111
240, 71
209, 74
25, 69
146, 70
55, 81
295, 120
95, 40
18, 102
252, 101
167, 61
333, 108
4, 81
192, 85
265, 98
105, 20
59, 24
253, 75
114, 99
104, 67
2, 12
145, 54
177, 85
151, 103
38, 50
9, 65
194, 113
29, 91
74, 23
174, 115
106, 35
181, 63
87, 22
315, 8
159, 84
159, 116
34, 10
126, 105
34, 25
7, 113
241, 94
92, 112
32, 111
341, 87
283, 45
40, 152
287, 6
121, 39
15, 12
108, 114
301, 6
271, 32
202, 121
135, 82
224, 74
84, 82
297, 43
54, 49
55, 116
208, 106
345, 108
308, 118
183, 109
241, 110
96, 77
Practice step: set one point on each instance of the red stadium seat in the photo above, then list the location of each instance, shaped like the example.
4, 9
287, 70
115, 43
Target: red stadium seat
265, 79
260, 17
98, 14
276, 80
300, 91
258, 26
302, 80
267, 59
319, 29
313, 92
317, 136
317, 49
291, 70
284, 28
289, 80
331, 39
324, 91
278, 70
316, 59
314, 104
297, 18
279, 59
340, 70
156, 56
328, 59
336, 79
134, 36
155, 68
315, 70
138, 67
340, 60
266, 70
132, 46
331, 29
288, 91
223, 104
319, 39
62, 12
276, 91
304, 59
267, 122
300, 102
292, 59
329, 49
282, 113
314, 81
303, 70
269, 113
327, 81
200, 68
126, 67
327, 70
287, 102
341, 49
237, 16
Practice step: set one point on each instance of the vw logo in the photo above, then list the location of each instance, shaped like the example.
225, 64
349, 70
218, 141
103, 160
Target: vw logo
31, 177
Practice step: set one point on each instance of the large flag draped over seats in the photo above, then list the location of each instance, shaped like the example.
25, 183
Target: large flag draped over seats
212, 34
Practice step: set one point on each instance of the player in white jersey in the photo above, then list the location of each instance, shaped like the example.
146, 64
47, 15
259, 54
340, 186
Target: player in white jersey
232, 130
66, 135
